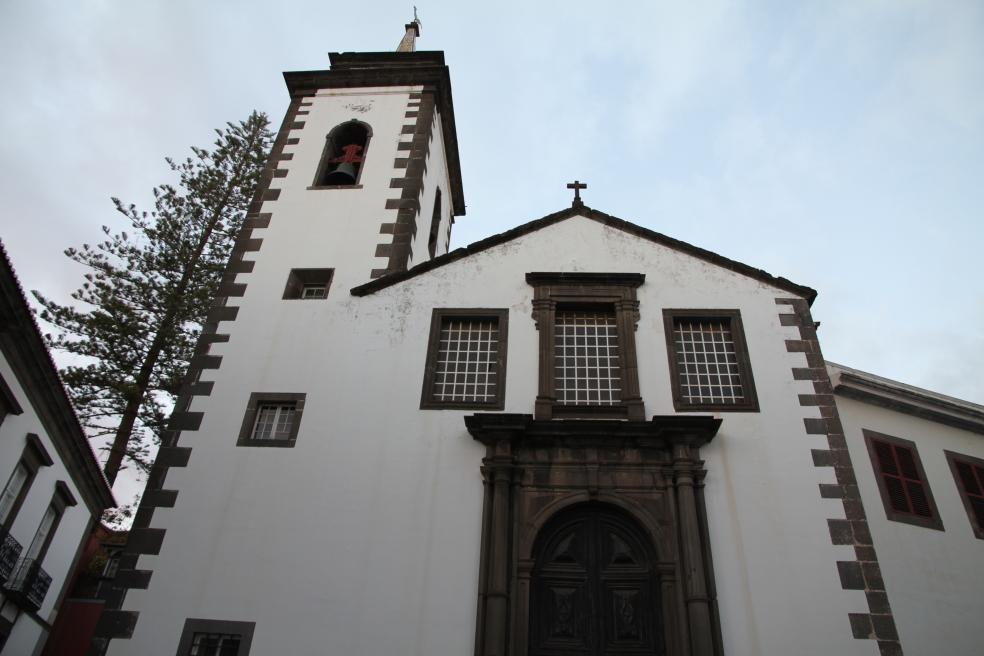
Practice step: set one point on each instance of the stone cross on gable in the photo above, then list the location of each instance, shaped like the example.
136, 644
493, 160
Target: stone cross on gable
577, 186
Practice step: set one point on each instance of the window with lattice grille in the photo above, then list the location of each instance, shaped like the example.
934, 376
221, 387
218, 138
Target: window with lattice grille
968, 472
587, 366
466, 359
272, 419
901, 480
709, 364
587, 352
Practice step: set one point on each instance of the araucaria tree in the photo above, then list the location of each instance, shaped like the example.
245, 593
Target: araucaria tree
147, 291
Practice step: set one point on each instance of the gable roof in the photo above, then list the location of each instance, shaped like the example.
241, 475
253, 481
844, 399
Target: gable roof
26, 353
606, 219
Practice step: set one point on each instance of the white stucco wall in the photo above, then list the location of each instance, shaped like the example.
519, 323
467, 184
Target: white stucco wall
71, 530
364, 537
933, 578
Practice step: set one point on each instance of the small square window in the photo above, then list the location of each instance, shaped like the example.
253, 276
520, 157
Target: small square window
215, 644
271, 420
901, 480
466, 359
308, 284
202, 637
968, 473
314, 291
709, 364
274, 421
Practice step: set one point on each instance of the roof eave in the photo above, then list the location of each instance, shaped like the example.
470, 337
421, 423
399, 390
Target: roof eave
784, 284
876, 390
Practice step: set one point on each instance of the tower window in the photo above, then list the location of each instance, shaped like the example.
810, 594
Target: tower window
314, 291
203, 637
274, 421
308, 284
343, 156
435, 225
271, 419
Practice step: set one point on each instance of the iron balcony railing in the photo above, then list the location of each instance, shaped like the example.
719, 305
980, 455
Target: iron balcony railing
28, 585
10, 550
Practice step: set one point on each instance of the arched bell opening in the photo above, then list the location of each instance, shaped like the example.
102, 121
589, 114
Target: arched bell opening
594, 585
344, 155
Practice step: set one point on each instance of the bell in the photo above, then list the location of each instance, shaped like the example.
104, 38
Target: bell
344, 174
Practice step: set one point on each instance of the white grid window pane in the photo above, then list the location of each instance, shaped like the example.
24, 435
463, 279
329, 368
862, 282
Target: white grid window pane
274, 421
707, 361
466, 370
215, 644
587, 365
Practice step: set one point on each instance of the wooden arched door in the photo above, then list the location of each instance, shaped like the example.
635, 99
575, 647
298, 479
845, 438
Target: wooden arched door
593, 589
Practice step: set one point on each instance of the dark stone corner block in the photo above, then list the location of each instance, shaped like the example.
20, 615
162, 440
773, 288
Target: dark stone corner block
173, 456
185, 421
850, 575
116, 624
861, 626
160, 498
134, 579
145, 541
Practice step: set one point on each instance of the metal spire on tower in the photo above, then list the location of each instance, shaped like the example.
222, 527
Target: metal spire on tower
409, 41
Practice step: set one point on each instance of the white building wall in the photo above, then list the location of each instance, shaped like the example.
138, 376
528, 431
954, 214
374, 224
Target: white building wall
933, 578
436, 177
364, 537
72, 530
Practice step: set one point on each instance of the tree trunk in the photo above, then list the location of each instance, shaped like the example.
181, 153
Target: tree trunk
129, 417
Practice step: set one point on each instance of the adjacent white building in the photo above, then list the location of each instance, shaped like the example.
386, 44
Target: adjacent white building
53, 489
576, 437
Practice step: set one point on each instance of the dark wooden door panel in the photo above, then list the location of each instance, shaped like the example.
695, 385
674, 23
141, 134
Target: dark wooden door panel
593, 588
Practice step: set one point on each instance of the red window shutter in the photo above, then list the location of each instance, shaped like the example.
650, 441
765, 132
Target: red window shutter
972, 479
906, 489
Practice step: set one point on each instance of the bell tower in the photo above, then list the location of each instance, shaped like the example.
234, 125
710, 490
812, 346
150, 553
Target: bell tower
365, 177
363, 181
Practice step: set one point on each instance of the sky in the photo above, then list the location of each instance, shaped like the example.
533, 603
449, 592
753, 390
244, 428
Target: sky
837, 144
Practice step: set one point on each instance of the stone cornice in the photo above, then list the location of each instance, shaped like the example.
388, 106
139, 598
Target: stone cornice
891, 394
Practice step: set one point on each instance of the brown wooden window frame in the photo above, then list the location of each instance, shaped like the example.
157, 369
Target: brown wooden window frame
438, 315
256, 399
934, 521
953, 459
554, 291
733, 317
8, 402
193, 626
61, 499
33, 458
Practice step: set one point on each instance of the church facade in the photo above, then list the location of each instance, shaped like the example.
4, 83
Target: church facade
576, 437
